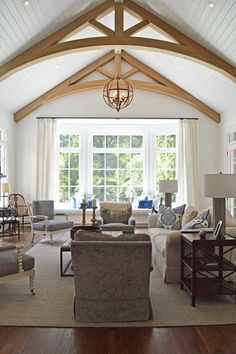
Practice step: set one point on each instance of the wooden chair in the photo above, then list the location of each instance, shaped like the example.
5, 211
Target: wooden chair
15, 264
18, 202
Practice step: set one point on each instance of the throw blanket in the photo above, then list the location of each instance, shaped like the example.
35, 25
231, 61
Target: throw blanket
115, 209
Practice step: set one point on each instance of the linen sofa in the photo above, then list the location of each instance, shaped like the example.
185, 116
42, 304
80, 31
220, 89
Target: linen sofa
166, 244
112, 276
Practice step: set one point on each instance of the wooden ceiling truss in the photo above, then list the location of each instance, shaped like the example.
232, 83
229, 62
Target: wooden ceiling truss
76, 83
55, 45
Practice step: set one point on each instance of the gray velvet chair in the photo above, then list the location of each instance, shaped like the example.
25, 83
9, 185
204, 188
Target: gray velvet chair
42, 220
112, 276
14, 264
116, 216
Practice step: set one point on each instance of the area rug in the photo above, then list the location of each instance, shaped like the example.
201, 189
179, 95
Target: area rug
52, 306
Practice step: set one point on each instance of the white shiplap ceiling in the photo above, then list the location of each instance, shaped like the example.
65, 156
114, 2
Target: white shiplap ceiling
22, 26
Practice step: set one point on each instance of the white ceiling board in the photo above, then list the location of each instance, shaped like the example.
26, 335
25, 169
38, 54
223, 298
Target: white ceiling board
206, 84
21, 27
214, 27
31, 82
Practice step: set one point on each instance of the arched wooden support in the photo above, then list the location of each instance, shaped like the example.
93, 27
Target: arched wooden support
54, 45
73, 84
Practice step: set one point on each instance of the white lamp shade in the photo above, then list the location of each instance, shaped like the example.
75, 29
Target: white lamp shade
5, 187
168, 186
220, 185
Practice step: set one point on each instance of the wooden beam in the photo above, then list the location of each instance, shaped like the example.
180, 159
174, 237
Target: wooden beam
100, 27
136, 28
74, 84
136, 84
119, 19
105, 72
118, 65
200, 51
181, 93
51, 46
38, 50
129, 73
52, 93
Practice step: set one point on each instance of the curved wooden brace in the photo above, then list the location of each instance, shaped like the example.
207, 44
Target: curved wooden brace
124, 42
53, 45
91, 85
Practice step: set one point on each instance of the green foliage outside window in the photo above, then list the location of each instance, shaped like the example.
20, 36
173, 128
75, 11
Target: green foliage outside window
166, 157
68, 166
117, 174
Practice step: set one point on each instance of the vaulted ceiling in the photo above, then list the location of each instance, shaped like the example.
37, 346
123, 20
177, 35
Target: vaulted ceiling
184, 49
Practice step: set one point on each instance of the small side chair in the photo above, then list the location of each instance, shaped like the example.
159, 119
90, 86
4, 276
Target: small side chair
116, 216
15, 264
42, 220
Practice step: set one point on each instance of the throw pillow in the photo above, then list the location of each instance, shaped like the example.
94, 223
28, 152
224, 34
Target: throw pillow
170, 218
201, 221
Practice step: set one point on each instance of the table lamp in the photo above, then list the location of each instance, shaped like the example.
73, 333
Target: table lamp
5, 188
168, 187
219, 186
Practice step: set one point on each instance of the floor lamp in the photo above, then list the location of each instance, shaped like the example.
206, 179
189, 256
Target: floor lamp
5, 188
168, 187
219, 186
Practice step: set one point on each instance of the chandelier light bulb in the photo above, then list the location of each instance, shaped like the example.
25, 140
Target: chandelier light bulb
26, 2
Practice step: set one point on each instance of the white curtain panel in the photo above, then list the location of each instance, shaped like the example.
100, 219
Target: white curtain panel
45, 158
188, 163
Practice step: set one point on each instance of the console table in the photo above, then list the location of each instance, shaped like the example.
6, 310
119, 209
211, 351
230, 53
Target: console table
9, 224
204, 268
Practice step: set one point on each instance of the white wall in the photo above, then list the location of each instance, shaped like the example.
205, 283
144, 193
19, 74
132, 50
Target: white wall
90, 103
7, 123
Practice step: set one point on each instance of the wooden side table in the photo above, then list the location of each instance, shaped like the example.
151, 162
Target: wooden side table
204, 268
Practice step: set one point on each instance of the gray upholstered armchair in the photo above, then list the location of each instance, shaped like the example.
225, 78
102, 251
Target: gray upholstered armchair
42, 220
116, 216
14, 264
111, 276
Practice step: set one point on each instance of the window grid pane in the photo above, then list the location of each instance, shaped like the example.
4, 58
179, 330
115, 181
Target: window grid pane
118, 167
165, 158
69, 164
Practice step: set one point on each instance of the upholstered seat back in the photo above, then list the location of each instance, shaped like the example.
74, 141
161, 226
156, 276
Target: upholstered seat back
111, 277
43, 207
112, 212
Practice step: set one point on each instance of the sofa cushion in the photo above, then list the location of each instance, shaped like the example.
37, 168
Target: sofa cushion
170, 218
201, 221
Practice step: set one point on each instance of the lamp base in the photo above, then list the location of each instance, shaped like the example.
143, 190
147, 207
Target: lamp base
168, 199
219, 214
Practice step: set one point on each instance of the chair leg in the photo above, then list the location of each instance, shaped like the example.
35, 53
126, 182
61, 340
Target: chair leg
32, 234
32, 282
51, 238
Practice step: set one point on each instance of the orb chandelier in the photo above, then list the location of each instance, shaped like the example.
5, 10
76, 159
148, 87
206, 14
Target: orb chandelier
118, 93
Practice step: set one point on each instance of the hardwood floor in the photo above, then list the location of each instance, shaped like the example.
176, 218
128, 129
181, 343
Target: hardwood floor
178, 340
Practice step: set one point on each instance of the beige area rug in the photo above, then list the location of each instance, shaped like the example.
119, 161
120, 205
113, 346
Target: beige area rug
52, 306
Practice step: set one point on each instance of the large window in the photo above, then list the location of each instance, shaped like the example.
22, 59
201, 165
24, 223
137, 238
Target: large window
117, 167
69, 166
113, 162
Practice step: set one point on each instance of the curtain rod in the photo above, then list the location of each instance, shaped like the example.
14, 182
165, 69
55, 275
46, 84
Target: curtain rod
115, 118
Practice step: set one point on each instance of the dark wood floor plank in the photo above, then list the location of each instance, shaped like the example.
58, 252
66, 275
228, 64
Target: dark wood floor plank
178, 340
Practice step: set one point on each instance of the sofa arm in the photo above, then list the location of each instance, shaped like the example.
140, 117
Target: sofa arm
152, 221
132, 221
173, 237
